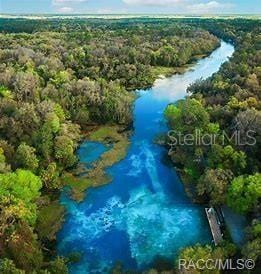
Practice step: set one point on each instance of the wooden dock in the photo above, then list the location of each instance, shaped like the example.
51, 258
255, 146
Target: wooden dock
214, 225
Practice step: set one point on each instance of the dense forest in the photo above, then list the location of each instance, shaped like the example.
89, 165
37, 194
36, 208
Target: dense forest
58, 79
227, 170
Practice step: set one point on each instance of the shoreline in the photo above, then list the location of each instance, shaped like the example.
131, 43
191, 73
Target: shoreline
72, 178
96, 176
116, 135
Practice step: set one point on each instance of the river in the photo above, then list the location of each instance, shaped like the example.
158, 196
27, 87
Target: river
144, 213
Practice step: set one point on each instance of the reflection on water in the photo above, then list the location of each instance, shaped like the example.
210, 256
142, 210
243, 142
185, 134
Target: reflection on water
236, 225
172, 89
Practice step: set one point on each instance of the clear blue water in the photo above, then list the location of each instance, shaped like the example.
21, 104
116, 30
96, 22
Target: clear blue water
89, 152
144, 213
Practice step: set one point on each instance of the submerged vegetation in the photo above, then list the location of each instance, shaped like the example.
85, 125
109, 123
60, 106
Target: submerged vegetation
59, 78
96, 174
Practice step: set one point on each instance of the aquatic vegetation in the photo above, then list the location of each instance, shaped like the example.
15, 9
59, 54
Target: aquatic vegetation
95, 175
144, 211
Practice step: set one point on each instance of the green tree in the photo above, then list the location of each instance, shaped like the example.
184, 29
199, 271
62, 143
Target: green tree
227, 158
187, 115
14, 210
64, 151
252, 248
26, 158
8, 267
22, 246
199, 253
23, 188
244, 193
50, 176
52, 122
58, 266
23, 184
61, 78
44, 141
214, 183
194, 254
3, 165
5, 92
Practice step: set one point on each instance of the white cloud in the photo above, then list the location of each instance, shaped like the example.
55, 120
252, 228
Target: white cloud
65, 10
192, 6
65, 6
154, 2
105, 11
63, 2
212, 6
110, 11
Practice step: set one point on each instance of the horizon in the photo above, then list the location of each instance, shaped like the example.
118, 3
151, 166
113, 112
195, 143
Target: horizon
133, 7
149, 15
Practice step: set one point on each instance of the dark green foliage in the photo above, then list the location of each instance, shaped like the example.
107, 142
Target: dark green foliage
25, 157
252, 248
214, 183
8, 267
23, 248
58, 266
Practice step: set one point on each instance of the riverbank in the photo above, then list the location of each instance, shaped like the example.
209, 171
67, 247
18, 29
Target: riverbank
117, 137
82, 177
145, 204
160, 71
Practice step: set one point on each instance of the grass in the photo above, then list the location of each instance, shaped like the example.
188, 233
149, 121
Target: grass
165, 71
105, 134
120, 141
79, 185
97, 176
158, 71
169, 71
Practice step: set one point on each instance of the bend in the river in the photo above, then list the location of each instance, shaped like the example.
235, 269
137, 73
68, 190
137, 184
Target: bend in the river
144, 213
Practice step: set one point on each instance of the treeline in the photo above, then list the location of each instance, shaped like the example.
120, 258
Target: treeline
56, 80
227, 106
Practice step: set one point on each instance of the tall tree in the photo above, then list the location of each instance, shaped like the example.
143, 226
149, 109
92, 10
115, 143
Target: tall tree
244, 193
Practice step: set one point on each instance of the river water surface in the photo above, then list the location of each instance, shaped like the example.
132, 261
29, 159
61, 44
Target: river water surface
144, 213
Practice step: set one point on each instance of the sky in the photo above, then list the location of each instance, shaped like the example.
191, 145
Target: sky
131, 6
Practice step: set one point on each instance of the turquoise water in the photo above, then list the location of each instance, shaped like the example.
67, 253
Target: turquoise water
89, 152
144, 213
